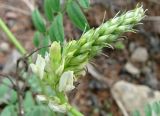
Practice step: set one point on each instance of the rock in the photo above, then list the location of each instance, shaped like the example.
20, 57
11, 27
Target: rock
4, 47
130, 68
155, 25
96, 85
10, 65
140, 55
131, 97
150, 78
11, 15
132, 47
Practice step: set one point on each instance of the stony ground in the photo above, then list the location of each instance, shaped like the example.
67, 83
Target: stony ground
138, 63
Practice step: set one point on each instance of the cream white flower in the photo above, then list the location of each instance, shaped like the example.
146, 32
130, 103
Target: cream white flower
66, 81
38, 68
57, 107
53, 105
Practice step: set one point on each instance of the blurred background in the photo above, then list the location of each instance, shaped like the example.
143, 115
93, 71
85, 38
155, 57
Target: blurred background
114, 85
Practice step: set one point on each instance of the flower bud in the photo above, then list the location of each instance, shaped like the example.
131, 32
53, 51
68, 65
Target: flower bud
85, 47
71, 46
101, 39
55, 55
88, 34
79, 59
55, 51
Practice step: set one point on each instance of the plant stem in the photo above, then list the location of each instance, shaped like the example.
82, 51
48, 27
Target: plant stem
11, 37
75, 112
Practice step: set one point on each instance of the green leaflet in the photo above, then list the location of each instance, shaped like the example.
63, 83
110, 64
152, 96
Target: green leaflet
56, 31
76, 15
9, 111
7, 95
51, 6
48, 9
40, 111
36, 39
156, 107
38, 21
56, 5
28, 102
136, 113
45, 42
84, 3
34, 83
148, 110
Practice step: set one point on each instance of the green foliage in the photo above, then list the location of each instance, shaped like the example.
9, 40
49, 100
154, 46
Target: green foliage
64, 64
45, 42
136, 113
9, 110
56, 30
54, 12
55, 5
7, 95
156, 107
48, 9
40, 110
152, 109
36, 39
76, 15
148, 110
38, 21
28, 102
84, 3
30, 106
49, 28
51, 7
34, 83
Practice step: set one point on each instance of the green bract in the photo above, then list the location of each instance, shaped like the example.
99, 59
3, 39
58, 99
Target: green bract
55, 55
63, 64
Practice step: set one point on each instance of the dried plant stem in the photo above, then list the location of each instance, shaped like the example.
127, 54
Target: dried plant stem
9, 7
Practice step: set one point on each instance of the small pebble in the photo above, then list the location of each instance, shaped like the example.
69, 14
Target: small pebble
140, 55
4, 47
130, 68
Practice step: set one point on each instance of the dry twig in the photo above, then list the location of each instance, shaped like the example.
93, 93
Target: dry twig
9, 7
30, 4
